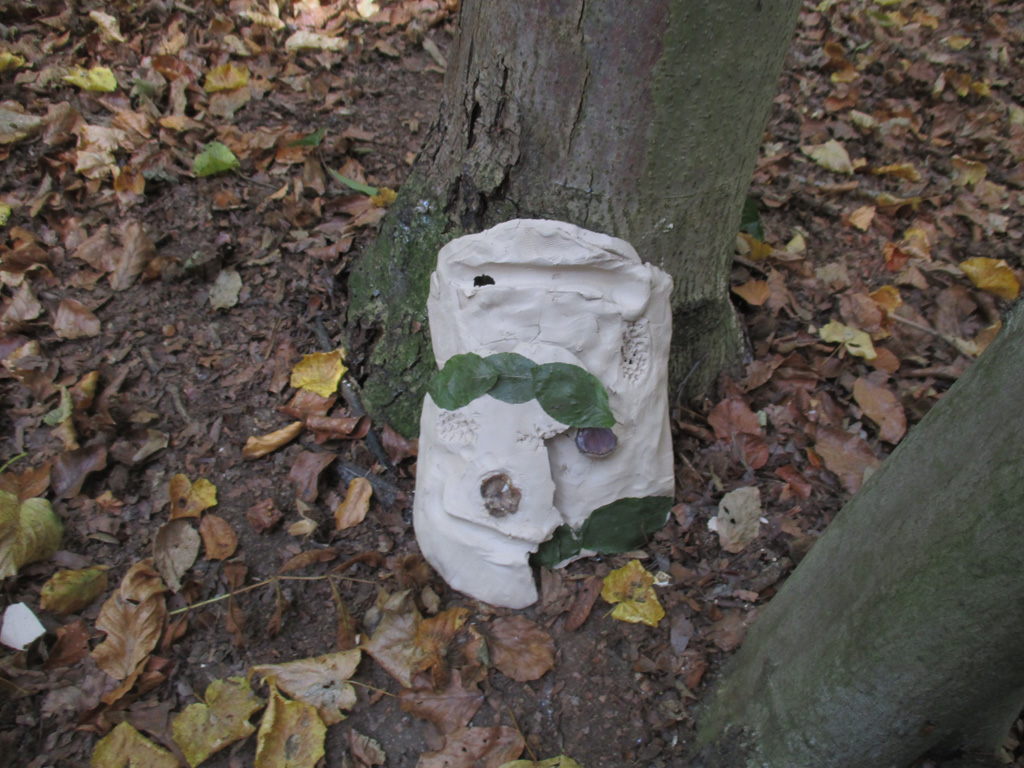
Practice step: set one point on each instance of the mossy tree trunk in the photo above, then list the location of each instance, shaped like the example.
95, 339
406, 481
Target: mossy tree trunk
636, 119
900, 633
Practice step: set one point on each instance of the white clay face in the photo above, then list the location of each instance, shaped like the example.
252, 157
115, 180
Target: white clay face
499, 475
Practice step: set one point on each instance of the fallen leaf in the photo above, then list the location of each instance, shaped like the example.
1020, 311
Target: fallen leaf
732, 416
319, 372
520, 648
214, 158
905, 171
562, 761
263, 516
175, 549
219, 720
882, 407
20, 309
393, 644
967, 172
326, 428
846, 455
321, 681
10, 61
304, 40
16, 125
754, 292
255, 447
449, 709
226, 77
29, 531
70, 591
862, 217
110, 28
75, 321
305, 473
632, 588
291, 734
133, 618
125, 747
831, 155
218, 537
586, 596
353, 509
476, 748
99, 79
739, 519
854, 341
431, 640
365, 751
71, 646
225, 289
992, 275
190, 499
26, 484
887, 298
71, 468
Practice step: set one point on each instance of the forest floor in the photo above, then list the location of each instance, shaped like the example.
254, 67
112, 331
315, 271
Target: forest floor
155, 299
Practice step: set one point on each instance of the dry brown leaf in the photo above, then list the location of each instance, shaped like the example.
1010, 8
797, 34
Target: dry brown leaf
305, 473
255, 447
27, 484
189, 499
584, 603
862, 217
365, 751
846, 455
731, 417
20, 309
218, 537
71, 468
352, 511
75, 321
754, 292
520, 648
291, 735
133, 618
326, 428
449, 709
738, 522
264, 516
393, 644
321, 681
175, 549
882, 407
476, 748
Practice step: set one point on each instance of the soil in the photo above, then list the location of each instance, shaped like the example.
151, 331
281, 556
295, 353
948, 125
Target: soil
200, 381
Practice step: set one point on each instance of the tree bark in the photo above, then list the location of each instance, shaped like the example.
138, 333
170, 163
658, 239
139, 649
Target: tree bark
900, 633
639, 120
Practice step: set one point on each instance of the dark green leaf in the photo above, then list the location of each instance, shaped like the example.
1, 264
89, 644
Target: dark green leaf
358, 186
625, 524
572, 395
310, 139
463, 379
515, 377
214, 158
750, 220
562, 544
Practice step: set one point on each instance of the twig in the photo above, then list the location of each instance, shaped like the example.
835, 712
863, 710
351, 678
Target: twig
953, 342
371, 688
13, 459
257, 585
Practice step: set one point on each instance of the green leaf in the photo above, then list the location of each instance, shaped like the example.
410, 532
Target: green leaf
750, 220
310, 139
572, 395
515, 377
463, 379
214, 158
625, 524
563, 544
358, 186
29, 531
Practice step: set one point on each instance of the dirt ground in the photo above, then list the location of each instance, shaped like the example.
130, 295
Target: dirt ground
151, 315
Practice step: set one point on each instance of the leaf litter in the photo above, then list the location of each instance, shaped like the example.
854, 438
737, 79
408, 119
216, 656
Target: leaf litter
202, 166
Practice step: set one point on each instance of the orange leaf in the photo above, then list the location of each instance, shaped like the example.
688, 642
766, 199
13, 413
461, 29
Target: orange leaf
882, 407
255, 447
992, 275
754, 292
353, 509
190, 499
520, 648
218, 537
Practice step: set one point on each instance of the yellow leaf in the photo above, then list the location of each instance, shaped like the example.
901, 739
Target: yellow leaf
226, 77
384, 198
304, 40
5, 214
754, 292
261, 446
218, 721
319, 372
831, 155
752, 248
291, 734
29, 531
967, 172
992, 275
887, 297
125, 747
905, 171
353, 509
190, 499
562, 761
855, 342
99, 79
10, 60
322, 681
71, 591
632, 588
957, 42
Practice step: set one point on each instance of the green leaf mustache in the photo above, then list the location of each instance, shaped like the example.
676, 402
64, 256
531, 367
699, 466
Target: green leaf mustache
566, 392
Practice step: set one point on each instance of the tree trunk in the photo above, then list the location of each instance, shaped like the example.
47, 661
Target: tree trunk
639, 120
900, 633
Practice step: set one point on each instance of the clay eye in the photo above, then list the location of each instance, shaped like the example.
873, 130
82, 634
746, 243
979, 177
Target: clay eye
596, 441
